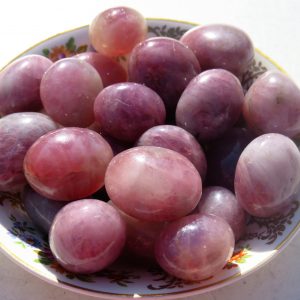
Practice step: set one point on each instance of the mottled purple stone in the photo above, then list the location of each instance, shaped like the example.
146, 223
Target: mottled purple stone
126, 110
68, 91
211, 104
218, 46
165, 65
194, 247
20, 84
18, 132
179, 140
87, 235
68, 163
218, 201
267, 175
272, 104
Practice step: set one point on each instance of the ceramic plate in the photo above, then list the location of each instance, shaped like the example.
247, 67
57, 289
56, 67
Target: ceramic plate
20, 240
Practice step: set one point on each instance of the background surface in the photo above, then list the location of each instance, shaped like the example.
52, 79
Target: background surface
273, 26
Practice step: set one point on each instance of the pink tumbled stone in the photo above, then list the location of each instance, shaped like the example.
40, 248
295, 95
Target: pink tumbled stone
68, 91
220, 46
87, 235
126, 110
117, 30
267, 176
195, 247
68, 163
153, 184
272, 104
210, 105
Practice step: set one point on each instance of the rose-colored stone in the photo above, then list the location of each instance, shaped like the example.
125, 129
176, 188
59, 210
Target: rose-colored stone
117, 30
68, 91
218, 46
267, 175
153, 183
195, 247
87, 235
272, 104
68, 163
211, 104
126, 110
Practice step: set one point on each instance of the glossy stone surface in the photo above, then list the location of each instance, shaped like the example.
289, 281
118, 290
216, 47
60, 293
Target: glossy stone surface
18, 132
218, 46
210, 105
41, 210
68, 163
195, 247
267, 175
20, 84
165, 65
222, 156
117, 30
68, 91
153, 183
272, 104
108, 68
87, 235
218, 201
179, 140
126, 110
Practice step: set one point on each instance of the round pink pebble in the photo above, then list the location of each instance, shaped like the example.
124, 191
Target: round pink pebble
195, 247
68, 91
87, 235
117, 30
267, 176
272, 104
153, 184
211, 104
220, 46
68, 163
